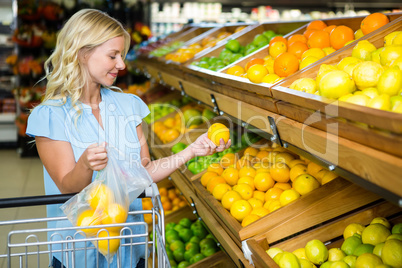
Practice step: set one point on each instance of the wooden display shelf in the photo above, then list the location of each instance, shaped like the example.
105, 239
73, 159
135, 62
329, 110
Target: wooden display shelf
330, 233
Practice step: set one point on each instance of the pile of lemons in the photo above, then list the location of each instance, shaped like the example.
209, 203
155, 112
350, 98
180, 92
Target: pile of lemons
370, 77
263, 180
374, 245
102, 210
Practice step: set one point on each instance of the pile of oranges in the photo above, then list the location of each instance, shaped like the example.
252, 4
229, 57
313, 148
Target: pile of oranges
171, 200
261, 181
186, 53
288, 55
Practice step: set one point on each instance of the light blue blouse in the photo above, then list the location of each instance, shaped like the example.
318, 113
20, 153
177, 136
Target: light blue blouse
121, 113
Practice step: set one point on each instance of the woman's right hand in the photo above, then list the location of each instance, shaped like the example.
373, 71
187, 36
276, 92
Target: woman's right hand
95, 156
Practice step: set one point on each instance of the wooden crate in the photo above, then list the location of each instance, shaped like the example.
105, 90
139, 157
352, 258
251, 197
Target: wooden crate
329, 233
327, 202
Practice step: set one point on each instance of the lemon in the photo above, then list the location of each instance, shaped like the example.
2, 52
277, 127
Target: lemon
289, 259
350, 67
397, 108
250, 218
327, 177
395, 236
366, 74
273, 251
363, 50
220, 189
346, 61
375, 233
307, 85
370, 92
306, 263
328, 50
368, 260
296, 171
339, 264
378, 249
390, 53
278, 257
397, 62
389, 38
345, 97
288, 196
392, 253
350, 260
316, 251
382, 102
240, 209
375, 55
326, 264
397, 228
307, 61
359, 33
324, 69
390, 81
336, 84
359, 100
353, 228
271, 78
382, 221
305, 183
397, 39
336, 254
350, 244
300, 253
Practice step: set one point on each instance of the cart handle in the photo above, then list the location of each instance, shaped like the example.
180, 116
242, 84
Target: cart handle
39, 200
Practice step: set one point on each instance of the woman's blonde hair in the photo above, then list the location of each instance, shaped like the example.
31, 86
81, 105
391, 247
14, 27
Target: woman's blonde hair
83, 32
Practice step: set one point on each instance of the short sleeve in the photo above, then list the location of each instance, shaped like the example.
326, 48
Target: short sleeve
141, 110
47, 121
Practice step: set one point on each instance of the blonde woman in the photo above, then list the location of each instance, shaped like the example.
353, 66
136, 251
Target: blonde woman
82, 112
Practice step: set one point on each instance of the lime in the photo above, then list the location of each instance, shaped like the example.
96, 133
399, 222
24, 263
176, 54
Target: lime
176, 245
172, 263
196, 258
171, 236
350, 260
339, 264
363, 248
335, 254
289, 260
326, 264
378, 249
195, 239
350, 244
395, 236
316, 251
183, 264
185, 234
368, 260
188, 254
272, 252
375, 233
392, 253
179, 254
233, 45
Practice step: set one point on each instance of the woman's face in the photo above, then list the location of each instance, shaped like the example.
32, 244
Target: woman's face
105, 61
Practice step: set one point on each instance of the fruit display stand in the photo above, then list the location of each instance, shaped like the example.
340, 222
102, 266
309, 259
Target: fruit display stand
329, 233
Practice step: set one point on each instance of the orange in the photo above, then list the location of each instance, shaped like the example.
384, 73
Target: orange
318, 39
213, 182
263, 181
247, 180
169, 122
296, 37
249, 219
229, 198
372, 22
170, 135
240, 209
260, 195
163, 191
107, 245
172, 194
158, 126
254, 61
245, 190
255, 203
263, 156
89, 218
239, 28
114, 213
327, 177
329, 28
147, 203
273, 205
262, 169
247, 171
280, 172
99, 196
207, 176
236, 70
220, 190
228, 160
340, 36
313, 169
316, 25
284, 158
261, 212
167, 205
305, 183
296, 162
256, 73
231, 175
206, 40
297, 170
286, 64
273, 193
250, 151
277, 48
297, 48
308, 33
218, 131
278, 39
288, 196
283, 185
243, 162
215, 167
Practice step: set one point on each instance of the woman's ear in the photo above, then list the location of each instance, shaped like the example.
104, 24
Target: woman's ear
82, 56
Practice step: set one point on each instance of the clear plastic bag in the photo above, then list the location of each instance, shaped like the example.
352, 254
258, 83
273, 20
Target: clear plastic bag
106, 201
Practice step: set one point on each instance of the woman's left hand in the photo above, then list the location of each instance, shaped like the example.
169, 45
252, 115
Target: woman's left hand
204, 146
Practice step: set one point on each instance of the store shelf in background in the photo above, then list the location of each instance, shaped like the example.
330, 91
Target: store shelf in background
329, 232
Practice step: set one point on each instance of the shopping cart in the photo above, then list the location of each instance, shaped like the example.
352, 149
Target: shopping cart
24, 247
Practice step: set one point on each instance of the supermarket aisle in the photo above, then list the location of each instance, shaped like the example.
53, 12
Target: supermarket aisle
20, 177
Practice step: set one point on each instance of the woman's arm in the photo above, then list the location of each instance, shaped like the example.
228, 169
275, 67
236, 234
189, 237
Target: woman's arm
161, 168
58, 159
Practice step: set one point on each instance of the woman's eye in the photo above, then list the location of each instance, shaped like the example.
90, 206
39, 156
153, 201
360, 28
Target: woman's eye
112, 57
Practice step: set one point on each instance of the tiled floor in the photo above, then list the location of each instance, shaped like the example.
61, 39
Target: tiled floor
20, 177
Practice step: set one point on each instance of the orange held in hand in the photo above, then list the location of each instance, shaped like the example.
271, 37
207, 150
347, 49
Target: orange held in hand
218, 131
